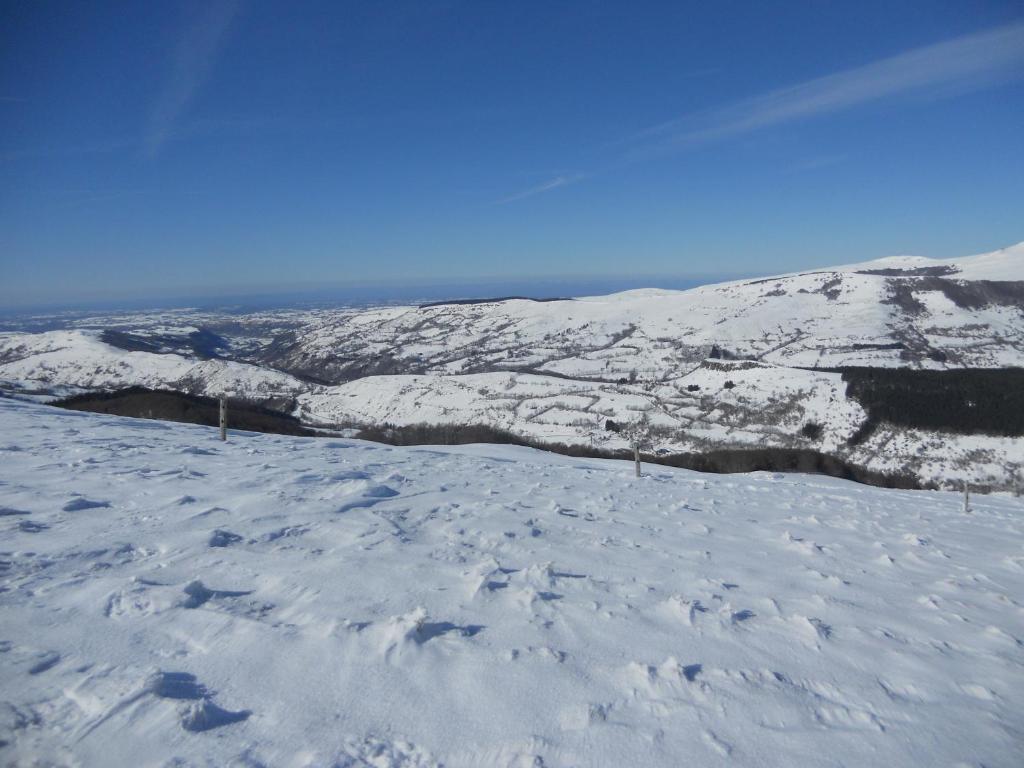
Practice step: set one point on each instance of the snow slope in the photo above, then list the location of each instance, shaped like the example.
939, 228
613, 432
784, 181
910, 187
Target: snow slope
1005, 264
167, 599
79, 360
766, 408
939, 314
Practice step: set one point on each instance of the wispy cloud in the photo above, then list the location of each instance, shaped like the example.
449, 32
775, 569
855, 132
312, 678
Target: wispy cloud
964, 62
193, 59
961, 64
563, 180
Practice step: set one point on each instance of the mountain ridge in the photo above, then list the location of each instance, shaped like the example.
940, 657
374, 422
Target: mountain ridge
724, 366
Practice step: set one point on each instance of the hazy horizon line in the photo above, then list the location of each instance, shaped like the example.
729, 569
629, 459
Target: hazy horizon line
384, 291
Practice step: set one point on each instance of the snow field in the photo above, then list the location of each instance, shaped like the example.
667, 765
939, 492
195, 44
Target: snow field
166, 598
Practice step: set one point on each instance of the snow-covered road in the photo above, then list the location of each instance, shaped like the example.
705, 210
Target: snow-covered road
167, 599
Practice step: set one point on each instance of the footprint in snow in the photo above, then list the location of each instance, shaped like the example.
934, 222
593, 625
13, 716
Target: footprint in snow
222, 538
197, 594
205, 715
23, 658
198, 451
47, 661
716, 743
200, 713
81, 503
577, 718
371, 496
398, 635
288, 532
740, 616
688, 610
809, 629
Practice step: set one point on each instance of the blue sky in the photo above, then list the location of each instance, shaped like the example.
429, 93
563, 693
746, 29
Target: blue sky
158, 149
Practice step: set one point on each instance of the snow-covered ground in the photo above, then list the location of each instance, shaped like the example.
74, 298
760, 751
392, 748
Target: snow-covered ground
80, 361
896, 312
167, 599
766, 407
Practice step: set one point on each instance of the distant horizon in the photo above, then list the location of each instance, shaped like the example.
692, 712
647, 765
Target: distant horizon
375, 292
328, 293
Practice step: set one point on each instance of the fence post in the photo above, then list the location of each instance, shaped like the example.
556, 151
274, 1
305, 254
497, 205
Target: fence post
223, 418
636, 456
967, 497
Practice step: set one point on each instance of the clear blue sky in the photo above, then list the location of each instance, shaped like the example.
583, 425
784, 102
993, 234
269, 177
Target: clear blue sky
150, 149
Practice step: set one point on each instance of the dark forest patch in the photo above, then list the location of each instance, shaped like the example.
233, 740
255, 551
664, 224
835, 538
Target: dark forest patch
812, 430
203, 343
499, 299
168, 405
893, 345
901, 293
439, 434
975, 294
971, 401
718, 461
966, 294
937, 271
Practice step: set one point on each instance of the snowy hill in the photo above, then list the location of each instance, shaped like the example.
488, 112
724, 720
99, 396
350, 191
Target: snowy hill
766, 407
169, 599
1004, 265
747, 364
897, 312
79, 360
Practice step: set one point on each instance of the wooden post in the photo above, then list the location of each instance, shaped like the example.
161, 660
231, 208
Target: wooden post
636, 456
223, 418
967, 497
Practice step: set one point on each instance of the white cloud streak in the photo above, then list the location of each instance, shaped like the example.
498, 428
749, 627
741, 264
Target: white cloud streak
193, 59
547, 186
964, 62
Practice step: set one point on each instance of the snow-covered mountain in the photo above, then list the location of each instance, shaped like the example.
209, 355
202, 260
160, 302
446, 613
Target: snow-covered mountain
168, 599
902, 311
747, 364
